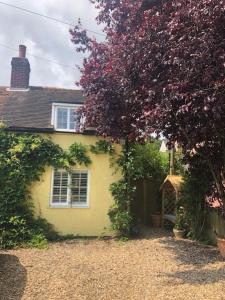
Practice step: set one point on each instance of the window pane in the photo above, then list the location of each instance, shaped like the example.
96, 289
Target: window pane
57, 178
75, 191
63, 199
60, 187
83, 191
64, 181
79, 187
75, 182
83, 199
55, 199
62, 118
74, 199
56, 191
64, 191
72, 118
83, 182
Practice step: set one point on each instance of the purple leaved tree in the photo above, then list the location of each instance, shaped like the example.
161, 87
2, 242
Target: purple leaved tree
160, 69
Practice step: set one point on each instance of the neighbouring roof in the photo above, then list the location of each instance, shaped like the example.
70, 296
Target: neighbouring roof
174, 180
31, 110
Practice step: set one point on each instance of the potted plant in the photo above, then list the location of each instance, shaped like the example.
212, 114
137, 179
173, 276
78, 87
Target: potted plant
156, 219
180, 224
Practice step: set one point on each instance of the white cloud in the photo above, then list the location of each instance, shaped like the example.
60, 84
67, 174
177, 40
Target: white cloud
44, 38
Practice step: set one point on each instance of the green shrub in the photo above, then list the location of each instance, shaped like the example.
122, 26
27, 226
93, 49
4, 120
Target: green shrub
38, 241
119, 213
197, 184
120, 219
13, 231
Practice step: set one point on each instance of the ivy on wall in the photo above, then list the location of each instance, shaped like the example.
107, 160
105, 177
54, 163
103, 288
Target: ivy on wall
102, 147
23, 159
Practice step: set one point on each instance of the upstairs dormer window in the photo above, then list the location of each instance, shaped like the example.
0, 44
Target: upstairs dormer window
66, 117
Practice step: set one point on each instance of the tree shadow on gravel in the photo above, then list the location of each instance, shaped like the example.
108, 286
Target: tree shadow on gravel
13, 278
198, 276
198, 258
188, 252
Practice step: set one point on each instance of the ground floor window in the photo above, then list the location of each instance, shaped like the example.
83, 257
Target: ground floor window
70, 188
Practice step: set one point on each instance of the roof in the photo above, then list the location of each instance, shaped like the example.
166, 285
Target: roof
31, 110
174, 180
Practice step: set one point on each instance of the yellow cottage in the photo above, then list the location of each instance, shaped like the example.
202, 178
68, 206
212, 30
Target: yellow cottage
79, 210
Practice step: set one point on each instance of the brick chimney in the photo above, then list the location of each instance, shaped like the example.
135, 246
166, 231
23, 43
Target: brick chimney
20, 71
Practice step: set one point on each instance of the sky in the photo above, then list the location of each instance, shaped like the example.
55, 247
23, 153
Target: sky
44, 38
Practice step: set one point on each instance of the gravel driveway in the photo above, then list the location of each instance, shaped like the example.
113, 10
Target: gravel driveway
154, 267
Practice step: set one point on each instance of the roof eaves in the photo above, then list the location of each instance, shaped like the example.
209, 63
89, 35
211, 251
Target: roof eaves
30, 129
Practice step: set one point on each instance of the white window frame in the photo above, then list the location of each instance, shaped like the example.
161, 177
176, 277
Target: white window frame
60, 204
68, 204
68, 106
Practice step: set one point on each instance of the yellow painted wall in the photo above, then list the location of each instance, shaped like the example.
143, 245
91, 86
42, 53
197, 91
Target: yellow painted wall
91, 221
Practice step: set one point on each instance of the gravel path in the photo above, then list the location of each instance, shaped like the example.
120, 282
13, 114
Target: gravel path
154, 267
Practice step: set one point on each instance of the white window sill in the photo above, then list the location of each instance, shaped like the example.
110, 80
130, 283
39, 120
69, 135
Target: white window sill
68, 206
67, 130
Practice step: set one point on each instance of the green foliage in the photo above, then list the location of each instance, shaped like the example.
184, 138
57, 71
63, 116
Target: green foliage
180, 219
16, 231
197, 183
78, 154
13, 231
38, 241
102, 147
179, 168
148, 162
120, 219
23, 159
136, 162
118, 190
119, 212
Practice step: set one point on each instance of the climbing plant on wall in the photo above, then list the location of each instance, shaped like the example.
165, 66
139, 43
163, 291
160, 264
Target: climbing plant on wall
23, 159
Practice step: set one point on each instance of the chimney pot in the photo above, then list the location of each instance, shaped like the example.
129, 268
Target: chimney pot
22, 51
